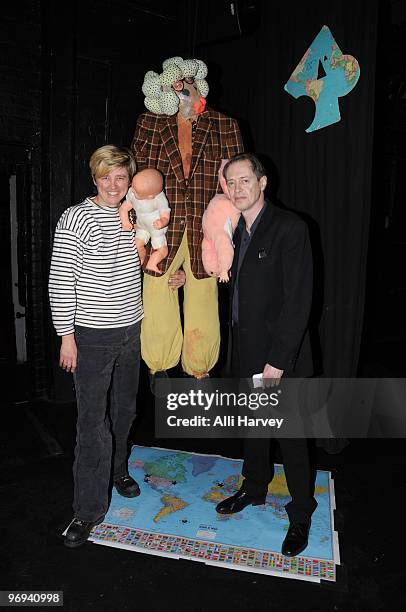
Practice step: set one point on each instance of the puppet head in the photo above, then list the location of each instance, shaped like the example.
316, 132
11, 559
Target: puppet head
180, 87
147, 184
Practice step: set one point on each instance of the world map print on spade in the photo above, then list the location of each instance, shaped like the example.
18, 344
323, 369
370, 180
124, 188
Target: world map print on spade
324, 74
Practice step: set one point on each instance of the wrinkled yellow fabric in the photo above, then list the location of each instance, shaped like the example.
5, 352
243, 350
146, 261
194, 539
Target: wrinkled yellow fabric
162, 341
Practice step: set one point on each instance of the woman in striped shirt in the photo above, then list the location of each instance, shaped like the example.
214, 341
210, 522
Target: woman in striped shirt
95, 296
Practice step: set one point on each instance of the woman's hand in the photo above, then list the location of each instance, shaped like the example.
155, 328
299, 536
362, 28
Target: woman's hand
69, 353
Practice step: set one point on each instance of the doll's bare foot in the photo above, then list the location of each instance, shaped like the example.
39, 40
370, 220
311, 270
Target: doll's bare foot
223, 277
156, 257
153, 268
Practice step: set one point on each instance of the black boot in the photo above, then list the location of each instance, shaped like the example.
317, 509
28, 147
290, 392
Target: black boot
238, 502
127, 486
153, 378
79, 531
296, 539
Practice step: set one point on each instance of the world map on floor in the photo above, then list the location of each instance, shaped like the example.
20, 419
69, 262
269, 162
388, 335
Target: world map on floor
175, 516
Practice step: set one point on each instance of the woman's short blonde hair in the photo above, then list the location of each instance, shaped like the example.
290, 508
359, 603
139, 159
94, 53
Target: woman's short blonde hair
109, 158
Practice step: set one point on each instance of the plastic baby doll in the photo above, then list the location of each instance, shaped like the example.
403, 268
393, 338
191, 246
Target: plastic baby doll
147, 198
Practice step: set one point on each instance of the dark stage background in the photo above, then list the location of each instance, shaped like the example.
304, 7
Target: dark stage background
65, 95
326, 175
71, 76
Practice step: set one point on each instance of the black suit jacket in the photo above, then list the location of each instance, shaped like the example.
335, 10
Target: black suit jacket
275, 294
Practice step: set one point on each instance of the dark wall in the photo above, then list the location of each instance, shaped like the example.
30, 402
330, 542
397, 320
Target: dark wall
20, 101
326, 174
71, 82
20, 154
384, 338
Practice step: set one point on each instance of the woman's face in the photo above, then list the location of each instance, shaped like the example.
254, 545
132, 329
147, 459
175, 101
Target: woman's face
112, 187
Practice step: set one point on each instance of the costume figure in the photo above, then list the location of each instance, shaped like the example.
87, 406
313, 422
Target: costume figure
146, 197
219, 222
186, 141
271, 287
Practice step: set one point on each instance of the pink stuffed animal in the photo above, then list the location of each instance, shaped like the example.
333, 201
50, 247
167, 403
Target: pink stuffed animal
219, 222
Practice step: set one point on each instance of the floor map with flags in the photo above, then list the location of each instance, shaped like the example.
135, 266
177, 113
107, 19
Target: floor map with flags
175, 516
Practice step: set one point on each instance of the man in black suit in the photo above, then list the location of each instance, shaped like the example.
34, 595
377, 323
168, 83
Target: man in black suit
271, 288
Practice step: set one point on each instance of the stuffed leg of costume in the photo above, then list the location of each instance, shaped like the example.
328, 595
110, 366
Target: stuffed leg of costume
162, 340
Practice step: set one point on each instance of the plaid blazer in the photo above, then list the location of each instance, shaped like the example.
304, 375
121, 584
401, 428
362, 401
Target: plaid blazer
155, 145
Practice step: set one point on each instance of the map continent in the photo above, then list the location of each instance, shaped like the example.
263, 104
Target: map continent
324, 74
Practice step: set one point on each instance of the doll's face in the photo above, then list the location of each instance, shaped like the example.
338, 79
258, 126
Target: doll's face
147, 184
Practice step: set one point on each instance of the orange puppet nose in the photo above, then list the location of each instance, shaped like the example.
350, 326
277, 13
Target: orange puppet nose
199, 106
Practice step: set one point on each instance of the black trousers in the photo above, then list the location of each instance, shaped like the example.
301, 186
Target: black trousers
106, 382
258, 468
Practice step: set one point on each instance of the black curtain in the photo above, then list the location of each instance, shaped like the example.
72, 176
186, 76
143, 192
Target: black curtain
325, 175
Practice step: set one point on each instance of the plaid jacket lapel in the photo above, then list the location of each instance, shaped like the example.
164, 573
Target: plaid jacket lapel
169, 135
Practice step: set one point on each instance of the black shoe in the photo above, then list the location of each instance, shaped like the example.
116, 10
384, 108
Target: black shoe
159, 374
238, 502
296, 539
126, 486
79, 531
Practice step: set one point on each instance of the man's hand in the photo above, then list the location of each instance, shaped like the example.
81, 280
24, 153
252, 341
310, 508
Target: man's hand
177, 280
271, 376
69, 353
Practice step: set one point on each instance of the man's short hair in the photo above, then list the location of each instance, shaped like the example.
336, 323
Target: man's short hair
256, 165
110, 157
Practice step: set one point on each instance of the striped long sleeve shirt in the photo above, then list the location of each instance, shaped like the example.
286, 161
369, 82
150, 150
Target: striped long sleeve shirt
95, 276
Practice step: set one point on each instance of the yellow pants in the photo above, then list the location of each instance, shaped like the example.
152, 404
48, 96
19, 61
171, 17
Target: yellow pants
162, 340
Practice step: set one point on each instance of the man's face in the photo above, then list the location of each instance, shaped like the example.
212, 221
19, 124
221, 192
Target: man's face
112, 187
245, 189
